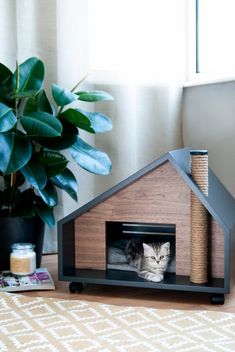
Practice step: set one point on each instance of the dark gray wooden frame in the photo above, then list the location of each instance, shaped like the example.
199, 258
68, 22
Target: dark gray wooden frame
68, 272
220, 204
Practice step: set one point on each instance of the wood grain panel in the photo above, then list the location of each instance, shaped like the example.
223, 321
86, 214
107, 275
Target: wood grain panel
161, 196
90, 237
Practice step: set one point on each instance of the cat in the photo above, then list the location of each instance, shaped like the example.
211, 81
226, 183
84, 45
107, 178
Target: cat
150, 260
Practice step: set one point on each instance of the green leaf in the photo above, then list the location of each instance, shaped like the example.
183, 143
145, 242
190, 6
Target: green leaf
92, 96
35, 174
31, 75
68, 137
7, 118
62, 96
66, 181
38, 103
4, 73
99, 122
46, 214
15, 152
41, 124
6, 86
89, 158
49, 194
78, 119
54, 162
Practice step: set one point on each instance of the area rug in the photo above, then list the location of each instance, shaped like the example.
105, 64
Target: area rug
45, 324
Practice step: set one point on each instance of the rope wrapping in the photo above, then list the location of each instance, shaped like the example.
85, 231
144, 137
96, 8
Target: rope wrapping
199, 220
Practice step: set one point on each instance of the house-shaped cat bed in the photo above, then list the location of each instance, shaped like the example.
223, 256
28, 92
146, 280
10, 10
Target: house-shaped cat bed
154, 200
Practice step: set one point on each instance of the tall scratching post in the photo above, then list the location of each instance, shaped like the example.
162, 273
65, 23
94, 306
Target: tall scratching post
199, 219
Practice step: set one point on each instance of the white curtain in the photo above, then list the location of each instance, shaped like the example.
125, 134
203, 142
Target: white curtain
143, 73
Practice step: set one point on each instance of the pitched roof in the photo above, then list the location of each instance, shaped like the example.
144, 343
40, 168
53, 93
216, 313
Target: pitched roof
219, 202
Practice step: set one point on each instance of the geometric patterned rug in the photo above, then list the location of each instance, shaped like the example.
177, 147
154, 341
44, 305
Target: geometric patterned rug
44, 324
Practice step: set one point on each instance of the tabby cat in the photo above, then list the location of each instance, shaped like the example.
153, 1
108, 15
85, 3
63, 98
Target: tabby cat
150, 260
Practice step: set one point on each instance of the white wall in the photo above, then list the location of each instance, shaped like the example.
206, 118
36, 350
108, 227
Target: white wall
208, 114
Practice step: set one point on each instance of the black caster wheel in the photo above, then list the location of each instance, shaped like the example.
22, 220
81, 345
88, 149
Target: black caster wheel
75, 287
217, 298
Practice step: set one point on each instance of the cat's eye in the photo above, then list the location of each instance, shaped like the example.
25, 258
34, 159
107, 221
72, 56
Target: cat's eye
152, 257
162, 256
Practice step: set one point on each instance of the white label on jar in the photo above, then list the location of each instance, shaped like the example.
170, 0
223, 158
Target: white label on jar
23, 264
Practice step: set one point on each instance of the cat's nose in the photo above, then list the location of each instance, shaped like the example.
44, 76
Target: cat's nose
158, 261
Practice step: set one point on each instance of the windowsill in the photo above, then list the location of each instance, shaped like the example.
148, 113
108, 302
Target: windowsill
201, 80
115, 78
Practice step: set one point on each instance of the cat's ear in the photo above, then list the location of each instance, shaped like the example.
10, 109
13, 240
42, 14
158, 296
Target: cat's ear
167, 245
146, 248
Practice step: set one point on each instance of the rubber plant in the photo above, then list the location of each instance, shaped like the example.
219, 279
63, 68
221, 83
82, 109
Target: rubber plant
35, 132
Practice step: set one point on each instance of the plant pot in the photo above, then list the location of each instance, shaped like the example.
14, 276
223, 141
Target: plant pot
16, 229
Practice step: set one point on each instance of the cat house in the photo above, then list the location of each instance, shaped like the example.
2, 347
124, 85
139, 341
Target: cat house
154, 204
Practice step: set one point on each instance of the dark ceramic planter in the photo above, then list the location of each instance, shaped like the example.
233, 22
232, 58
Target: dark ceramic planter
16, 229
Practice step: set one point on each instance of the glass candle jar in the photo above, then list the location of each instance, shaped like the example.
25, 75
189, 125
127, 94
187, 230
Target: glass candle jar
22, 259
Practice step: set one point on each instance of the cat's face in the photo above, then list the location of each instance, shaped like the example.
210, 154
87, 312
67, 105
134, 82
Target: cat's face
157, 255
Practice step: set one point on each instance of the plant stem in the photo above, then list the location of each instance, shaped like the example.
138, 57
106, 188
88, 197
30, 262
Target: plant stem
72, 90
13, 175
17, 86
60, 110
12, 184
83, 79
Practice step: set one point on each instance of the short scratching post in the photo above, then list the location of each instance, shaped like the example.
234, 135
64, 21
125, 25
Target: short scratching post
199, 219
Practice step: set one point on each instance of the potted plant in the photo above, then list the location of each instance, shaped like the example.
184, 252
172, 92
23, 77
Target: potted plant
33, 135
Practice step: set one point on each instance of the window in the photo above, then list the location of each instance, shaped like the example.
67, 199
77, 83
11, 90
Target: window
143, 40
163, 38
215, 37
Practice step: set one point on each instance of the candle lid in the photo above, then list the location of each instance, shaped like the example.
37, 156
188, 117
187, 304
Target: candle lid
21, 246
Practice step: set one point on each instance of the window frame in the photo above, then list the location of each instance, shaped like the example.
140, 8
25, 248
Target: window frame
193, 75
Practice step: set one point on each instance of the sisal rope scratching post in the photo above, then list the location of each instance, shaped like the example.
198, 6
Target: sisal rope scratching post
199, 219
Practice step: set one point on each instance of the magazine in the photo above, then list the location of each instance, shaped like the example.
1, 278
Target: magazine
39, 280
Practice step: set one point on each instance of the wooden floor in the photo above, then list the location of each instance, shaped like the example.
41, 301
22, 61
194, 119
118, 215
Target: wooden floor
131, 296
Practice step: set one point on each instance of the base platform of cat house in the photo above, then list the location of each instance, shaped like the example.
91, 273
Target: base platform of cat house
79, 277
